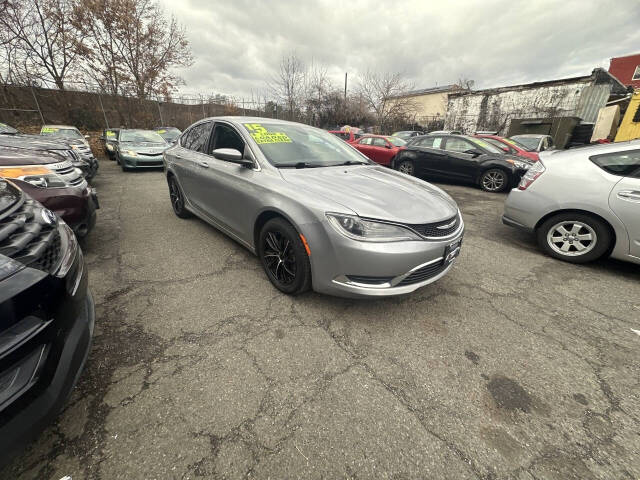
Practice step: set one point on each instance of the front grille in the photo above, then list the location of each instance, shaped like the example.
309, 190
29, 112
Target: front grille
438, 229
27, 236
369, 280
424, 273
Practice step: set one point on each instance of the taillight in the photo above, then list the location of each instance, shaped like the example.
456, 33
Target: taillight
531, 175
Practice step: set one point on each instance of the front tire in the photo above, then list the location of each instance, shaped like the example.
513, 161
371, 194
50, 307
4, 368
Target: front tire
574, 237
177, 198
284, 257
494, 180
407, 167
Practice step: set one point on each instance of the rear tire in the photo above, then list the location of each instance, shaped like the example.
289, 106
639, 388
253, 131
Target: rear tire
574, 237
494, 180
406, 167
284, 257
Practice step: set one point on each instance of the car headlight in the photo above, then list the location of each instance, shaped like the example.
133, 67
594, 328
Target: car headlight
357, 228
109, 147
8, 266
131, 153
38, 176
519, 164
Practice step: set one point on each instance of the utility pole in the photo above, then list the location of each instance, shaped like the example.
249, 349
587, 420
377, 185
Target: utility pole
345, 85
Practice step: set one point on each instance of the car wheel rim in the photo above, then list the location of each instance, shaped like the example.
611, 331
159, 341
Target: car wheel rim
176, 196
493, 181
406, 168
279, 257
572, 238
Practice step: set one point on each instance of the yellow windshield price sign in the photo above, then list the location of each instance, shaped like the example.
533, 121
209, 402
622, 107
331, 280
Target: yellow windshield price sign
162, 131
48, 130
110, 133
262, 136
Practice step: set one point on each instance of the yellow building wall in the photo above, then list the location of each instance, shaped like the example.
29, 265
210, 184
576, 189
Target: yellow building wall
430, 104
630, 130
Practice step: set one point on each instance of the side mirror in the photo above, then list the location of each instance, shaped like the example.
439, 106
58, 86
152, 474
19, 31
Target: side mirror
474, 153
389, 146
232, 155
87, 137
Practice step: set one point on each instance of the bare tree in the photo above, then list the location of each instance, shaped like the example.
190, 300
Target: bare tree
46, 43
150, 46
101, 23
465, 83
386, 95
288, 86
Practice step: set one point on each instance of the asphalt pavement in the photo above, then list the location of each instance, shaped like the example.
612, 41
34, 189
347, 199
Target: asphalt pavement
515, 365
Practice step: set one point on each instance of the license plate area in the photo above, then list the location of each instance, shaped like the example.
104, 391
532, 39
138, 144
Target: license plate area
452, 251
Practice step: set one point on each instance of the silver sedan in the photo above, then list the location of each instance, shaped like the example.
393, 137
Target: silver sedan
318, 213
582, 204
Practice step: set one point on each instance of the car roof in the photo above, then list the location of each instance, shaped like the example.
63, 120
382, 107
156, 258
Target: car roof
59, 126
599, 149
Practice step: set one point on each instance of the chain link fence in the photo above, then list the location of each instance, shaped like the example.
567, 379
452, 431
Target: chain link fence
86, 107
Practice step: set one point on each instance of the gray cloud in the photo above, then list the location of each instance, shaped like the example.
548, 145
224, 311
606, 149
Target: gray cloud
237, 45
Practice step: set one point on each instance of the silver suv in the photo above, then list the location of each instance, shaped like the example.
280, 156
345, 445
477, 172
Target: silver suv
582, 204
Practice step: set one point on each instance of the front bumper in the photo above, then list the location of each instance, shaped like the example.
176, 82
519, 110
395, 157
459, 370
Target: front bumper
142, 161
31, 420
75, 205
349, 268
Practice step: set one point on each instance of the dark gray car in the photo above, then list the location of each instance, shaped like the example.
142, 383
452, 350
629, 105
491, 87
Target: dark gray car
318, 213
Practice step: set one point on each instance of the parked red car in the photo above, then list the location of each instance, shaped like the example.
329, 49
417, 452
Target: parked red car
509, 146
348, 137
381, 149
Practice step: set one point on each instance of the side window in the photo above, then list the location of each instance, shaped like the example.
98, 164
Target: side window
365, 141
187, 138
458, 145
429, 142
379, 142
623, 164
225, 136
198, 137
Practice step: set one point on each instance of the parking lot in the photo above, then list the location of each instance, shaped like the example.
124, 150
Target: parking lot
515, 365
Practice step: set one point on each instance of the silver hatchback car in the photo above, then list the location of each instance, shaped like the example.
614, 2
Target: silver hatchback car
317, 212
582, 203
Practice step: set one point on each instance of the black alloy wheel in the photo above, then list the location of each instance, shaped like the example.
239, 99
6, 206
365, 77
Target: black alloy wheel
284, 257
494, 180
177, 198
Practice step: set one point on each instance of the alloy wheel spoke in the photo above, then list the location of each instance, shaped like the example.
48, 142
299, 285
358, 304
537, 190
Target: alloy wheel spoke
565, 246
584, 236
576, 228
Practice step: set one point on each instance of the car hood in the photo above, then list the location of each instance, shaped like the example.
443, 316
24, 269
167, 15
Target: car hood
32, 142
151, 148
376, 192
10, 156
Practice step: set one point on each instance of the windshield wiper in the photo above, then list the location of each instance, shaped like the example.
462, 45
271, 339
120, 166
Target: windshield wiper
298, 165
349, 162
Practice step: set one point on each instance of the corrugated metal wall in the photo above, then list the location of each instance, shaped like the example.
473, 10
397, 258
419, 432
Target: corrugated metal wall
592, 99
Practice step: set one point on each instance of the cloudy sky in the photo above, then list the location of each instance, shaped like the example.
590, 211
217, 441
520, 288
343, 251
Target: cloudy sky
237, 45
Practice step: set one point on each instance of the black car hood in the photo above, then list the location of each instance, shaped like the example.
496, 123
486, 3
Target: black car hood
13, 156
32, 142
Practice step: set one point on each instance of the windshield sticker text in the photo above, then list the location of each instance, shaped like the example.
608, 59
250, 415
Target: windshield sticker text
262, 136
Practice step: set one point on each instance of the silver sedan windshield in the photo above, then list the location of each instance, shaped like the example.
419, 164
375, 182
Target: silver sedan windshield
299, 146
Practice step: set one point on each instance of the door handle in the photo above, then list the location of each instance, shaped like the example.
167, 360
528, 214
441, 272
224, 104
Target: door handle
630, 195
204, 164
